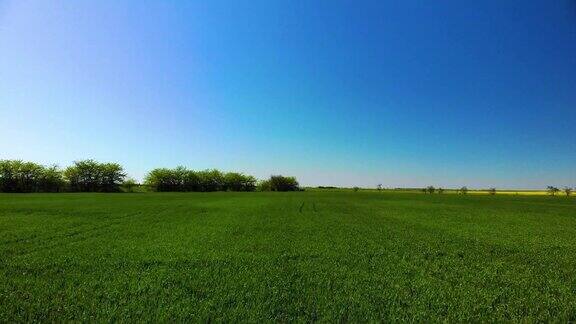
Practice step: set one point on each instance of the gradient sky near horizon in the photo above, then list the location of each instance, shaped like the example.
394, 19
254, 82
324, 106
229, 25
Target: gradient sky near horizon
403, 93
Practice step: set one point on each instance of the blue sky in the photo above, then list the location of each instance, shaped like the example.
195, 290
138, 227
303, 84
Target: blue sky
403, 93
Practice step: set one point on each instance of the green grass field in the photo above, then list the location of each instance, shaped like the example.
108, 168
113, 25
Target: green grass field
329, 256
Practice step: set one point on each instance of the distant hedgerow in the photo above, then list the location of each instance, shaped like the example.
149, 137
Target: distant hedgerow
82, 176
19, 176
183, 179
279, 183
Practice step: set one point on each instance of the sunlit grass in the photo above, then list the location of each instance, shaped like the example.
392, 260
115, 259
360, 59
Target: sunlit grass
303, 256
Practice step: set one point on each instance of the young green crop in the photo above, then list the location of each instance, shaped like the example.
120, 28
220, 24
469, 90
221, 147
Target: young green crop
299, 256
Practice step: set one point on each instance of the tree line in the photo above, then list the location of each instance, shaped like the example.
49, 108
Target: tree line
82, 176
183, 179
93, 176
492, 191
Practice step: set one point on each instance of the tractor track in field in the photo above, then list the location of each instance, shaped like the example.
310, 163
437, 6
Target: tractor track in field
301, 209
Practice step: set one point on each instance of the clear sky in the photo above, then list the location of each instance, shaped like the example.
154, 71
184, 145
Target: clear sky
403, 93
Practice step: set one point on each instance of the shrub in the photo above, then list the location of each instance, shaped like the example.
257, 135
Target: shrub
464, 190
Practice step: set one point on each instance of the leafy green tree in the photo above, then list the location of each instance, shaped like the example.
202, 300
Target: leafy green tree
264, 185
567, 191
430, 189
19, 176
552, 190
91, 176
464, 190
129, 184
111, 177
356, 189
190, 180
492, 191
161, 179
281, 183
29, 176
52, 179
8, 176
211, 180
234, 181
182, 179
440, 190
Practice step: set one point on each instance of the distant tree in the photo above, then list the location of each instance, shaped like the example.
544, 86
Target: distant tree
379, 187
52, 179
211, 180
552, 190
92, 176
111, 177
239, 182
356, 189
161, 179
424, 190
264, 185
7, 176
440, 190
29, 176
188, 180
129, 184
430, 189
464, 190
19, 176
492, 191
282, 183
568, 191
83, 175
